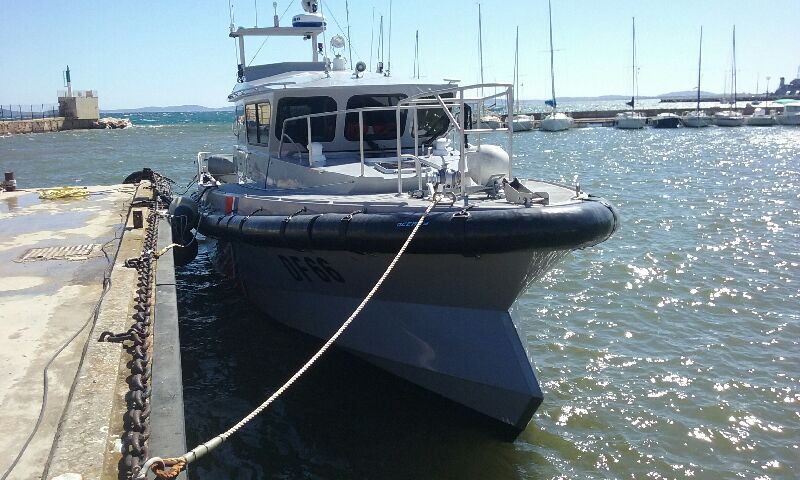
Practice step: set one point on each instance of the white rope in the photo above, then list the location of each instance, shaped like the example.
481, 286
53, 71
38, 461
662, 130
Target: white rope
213, 443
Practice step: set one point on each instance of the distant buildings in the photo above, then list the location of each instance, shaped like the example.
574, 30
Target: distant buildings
790, 90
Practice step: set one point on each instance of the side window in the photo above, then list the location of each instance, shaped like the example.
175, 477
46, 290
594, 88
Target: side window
251, 123
264, 116
433, 122
238, 121
377, 125
323, 129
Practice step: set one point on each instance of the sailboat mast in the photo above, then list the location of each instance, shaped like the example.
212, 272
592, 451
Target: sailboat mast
552, 71
699, 66
633, 65
734, 67
480, 42
516, 73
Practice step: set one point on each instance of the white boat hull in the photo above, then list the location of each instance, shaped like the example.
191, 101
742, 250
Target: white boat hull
522, 124
457, 340
556, 123
728, 119
696, 121
761, 121
491, 122
630, 122
792, 119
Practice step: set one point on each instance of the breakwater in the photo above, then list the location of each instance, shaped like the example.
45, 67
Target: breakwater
57, 124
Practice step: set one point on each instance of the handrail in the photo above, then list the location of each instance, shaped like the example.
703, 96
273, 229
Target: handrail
431, 99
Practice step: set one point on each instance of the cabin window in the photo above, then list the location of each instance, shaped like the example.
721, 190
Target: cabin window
434, 122
377, 125
264, 116
257, 117
323, 129
251, 123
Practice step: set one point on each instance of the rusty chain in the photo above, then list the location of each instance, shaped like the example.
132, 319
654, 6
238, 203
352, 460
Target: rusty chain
138, 339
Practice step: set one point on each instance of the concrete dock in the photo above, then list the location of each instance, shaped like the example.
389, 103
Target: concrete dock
63, 275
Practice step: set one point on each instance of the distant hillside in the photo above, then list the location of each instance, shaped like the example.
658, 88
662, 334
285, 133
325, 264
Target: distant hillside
688, 94
170, 109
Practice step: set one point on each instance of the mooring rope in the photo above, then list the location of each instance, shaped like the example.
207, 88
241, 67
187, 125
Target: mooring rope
169, 468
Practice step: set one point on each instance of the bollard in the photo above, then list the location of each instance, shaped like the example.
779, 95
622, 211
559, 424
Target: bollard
138, 219
10, 183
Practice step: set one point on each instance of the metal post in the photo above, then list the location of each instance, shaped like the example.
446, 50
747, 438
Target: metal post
462, 163
417, 166
361, 138
241, 51
399, 153
510, 100
480, 114
308, 145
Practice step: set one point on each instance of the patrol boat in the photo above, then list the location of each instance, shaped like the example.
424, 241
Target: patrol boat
332, 170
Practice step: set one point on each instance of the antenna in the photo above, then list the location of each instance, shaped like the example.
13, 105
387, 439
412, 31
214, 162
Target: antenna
389, 65
372, 38
416, 56
480, 44
379, 68
349, 42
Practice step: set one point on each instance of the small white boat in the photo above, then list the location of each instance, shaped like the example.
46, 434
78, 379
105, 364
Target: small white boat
761, 119
728, 118
556, 122
790, 114
695, 119
631, 120
491, 121
698, 118
518, 122
731, 118
521, 123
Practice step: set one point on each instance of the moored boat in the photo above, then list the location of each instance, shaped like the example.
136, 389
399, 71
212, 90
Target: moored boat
761, 119
332, 170
554, 121
728, 118
790, 114
666, 120
731, 118
697, 118
631, 120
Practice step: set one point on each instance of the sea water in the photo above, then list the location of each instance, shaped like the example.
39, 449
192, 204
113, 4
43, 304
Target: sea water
669, 351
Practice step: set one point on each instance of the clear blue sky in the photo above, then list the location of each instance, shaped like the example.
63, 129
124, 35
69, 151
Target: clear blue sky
145, 52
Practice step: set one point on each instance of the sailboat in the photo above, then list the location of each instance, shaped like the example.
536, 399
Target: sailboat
698, 118
554, 121
731, 118
633, 119
760, 117
519, 122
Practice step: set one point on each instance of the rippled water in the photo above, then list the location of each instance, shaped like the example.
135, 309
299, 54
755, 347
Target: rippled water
670, 351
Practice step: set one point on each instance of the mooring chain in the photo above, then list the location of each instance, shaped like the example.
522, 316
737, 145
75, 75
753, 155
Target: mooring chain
169, 468
138, 341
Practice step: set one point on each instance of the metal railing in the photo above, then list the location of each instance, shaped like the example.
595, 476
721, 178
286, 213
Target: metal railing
425, 101
28, 112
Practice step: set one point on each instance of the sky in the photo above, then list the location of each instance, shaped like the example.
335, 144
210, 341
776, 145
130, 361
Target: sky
177, 52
